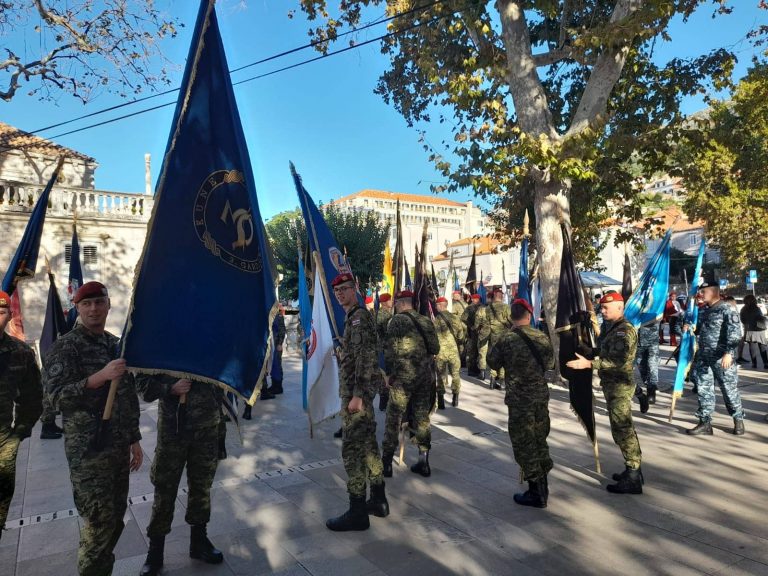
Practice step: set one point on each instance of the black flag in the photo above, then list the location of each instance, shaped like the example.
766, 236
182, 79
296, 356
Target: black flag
626, 283
577, 334
55, 323
472, 274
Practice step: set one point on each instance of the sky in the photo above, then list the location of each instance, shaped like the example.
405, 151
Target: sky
323, 116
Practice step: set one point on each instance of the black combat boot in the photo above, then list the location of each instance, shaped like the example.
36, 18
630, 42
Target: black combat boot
339, 433
276, 387
532, 496
266, 394
702, 427
378, 505
643, 399
356, 518
630, 483
486, 375
496, 385
544, 489
441, 401
764, 356
200, 548
247, 412
50, 431
619, 475
738, 427
455, 400
422, 466
386, 462
383, 401
154, 561
651, 394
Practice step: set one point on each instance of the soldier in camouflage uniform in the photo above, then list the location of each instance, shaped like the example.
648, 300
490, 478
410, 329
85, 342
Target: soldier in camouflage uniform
409, 350
470, 351
20, 403
383, 316
719, 329
615, 366
187, 435
527, 399
499, 322
457, 309
359, 381
482, 328
77, 373
648, 362
450, 331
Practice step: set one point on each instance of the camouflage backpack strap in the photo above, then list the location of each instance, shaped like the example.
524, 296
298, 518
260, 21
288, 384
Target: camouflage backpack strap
420, 329
535, 351
450, 328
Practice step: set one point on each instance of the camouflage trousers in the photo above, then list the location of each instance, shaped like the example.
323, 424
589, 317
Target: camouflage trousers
100, 487
495, 374
647, 360
618, 397
198, 449
706, 372
359, 449
448, 363
49, 412
528, 427
419, 395
9, 448
470, 352
482, 351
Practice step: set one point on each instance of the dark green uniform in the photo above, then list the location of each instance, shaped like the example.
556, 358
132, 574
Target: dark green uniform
409, 353
21, 397
470, 350
482, 328
191, 440
499, 321
458, 307
99, 479
450, 331
526, 397
359, 376
616, 360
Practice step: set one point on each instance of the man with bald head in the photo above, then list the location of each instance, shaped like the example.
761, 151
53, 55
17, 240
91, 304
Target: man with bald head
616, 358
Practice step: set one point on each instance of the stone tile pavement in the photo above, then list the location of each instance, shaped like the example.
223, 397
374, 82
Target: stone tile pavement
703, 512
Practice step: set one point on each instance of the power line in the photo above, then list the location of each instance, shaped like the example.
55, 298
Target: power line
312, 44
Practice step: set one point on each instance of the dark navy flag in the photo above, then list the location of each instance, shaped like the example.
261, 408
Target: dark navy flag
25, 260
55, 323
481, 290
408, 283
332, 259
75, 277
204, 295
523, 280
471, 274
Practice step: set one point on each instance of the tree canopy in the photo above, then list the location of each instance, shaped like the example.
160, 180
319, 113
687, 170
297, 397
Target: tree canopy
81, 47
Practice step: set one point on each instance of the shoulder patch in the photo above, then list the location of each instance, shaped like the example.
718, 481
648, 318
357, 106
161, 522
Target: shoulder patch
356, 321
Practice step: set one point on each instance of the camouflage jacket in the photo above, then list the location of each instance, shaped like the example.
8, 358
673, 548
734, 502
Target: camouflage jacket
457, 308
203, 406
648, 336
72, 358
409, 354
382, 321
468, 316
618, 347
523, 373
499, 318
278, 330
451, 331
21, 394
719, 331
359, 373
482, 326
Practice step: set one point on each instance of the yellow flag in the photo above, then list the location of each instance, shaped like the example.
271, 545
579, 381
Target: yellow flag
389, 280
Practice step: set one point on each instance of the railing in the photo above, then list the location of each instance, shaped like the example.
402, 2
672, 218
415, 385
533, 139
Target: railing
84, 202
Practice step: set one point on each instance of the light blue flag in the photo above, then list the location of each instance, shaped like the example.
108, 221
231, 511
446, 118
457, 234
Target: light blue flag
305, 317
204, 295
691, 318
646, 305
524, 282
482, 290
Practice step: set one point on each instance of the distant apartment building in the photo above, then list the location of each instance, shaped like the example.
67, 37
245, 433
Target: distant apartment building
666, 185
448, 220
493, 265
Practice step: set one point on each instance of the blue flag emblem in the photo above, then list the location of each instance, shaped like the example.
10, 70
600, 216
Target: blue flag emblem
646, 305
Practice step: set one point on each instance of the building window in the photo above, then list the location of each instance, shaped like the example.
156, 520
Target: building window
693, 239
89, 254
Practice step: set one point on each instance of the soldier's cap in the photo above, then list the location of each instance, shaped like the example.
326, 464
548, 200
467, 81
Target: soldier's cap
386, 297
457, 292
709, 282
498, 291
611, 297
476, 297
442, 299
341, 278
524, 303
5, 300
90, 290
403, 294
369, 299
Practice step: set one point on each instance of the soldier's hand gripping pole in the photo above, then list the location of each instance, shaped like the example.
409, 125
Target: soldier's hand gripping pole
103, 427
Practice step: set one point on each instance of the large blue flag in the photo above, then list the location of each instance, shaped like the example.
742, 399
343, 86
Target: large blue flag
646, 305
482, 291
55, 323
204, 295
524, 280
75, 277
332, 260
305, 318
24, 261
688, 341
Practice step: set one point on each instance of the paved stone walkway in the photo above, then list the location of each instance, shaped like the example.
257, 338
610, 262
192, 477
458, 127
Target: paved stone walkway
703, 512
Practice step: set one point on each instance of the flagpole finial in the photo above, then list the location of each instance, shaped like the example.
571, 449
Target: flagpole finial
526, 222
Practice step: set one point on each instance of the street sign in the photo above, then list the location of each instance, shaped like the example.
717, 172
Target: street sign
753, 276
748, 281
723, 283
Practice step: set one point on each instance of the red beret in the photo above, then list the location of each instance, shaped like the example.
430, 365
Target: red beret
403, 294
369, 299
612, 297
341, 278
5, 300
523, 303
386, 297
457, 292
475, 296
442, 299
498, 291
90, 290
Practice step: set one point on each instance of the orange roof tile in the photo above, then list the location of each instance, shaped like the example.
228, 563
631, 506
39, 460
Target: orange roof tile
675, 218
403, 197
12, 138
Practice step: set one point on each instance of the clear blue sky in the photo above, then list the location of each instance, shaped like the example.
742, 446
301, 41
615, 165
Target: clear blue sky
323, 116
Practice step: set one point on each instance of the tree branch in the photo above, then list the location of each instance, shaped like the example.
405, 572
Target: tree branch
554, 56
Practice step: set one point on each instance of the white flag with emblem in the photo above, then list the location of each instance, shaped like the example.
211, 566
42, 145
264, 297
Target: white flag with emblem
322, 367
